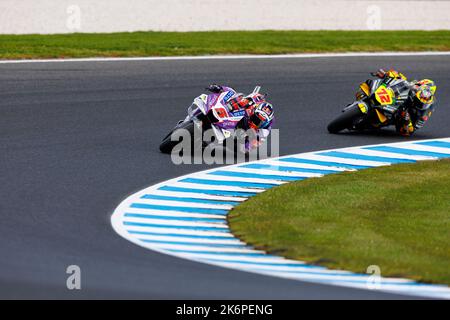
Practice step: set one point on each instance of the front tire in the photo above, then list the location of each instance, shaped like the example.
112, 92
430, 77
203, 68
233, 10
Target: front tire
167, 144
345, 120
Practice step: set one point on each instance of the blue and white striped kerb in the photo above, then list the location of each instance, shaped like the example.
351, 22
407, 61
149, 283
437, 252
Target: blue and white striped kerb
186, 216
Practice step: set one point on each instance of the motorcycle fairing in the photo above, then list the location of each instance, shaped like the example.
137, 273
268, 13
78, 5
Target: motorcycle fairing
226, 122
384, 95
381, 116
365, 88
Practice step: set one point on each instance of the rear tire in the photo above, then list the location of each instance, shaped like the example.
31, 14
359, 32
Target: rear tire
167, 144
345, 120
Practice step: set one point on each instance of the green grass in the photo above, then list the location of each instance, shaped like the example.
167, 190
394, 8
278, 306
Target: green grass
395, 217
210, 43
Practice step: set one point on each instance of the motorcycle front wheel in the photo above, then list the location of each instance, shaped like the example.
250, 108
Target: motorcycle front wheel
167, 144
345, 120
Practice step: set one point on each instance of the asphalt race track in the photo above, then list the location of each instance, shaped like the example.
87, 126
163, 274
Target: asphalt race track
78, 137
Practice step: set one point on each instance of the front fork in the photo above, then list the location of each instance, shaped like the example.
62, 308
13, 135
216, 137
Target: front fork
362, 122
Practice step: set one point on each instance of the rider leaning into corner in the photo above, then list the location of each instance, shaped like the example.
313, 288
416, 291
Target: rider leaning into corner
415, 100
258, 116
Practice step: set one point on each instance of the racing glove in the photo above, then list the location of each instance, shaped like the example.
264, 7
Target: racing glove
423, 117
214, 88
420, 123
388, 74
248, 143
380, 73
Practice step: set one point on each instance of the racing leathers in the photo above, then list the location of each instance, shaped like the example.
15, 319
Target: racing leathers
252, 105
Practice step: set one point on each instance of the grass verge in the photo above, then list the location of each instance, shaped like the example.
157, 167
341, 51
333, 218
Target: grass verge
210, 43
395, 217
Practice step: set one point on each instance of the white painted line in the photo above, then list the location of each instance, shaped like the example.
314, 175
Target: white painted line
368, 152
201, 248
176, 223
171, 203
185, 232
174, 213
276, 163
343, 160
197, 196
211, 257
237, 57
212, 177
337, 278
232, 241
419, 147
188, 185
277, 173
281, 268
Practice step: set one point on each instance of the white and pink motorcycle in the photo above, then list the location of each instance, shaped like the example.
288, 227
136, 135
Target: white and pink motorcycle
210, 112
